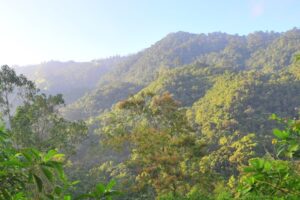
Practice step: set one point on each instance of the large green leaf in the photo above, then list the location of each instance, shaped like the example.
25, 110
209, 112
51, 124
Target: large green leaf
38, 182
281, 134
47, 173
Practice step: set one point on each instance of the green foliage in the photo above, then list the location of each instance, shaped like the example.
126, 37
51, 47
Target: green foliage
186, 84
296, 58
288, 140
101, 191
273, 177
38, 124
30, 174
10, 85
159, 138
234, 152
99, 100
269, 176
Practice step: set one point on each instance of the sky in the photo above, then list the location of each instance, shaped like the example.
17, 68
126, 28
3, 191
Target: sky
35, 31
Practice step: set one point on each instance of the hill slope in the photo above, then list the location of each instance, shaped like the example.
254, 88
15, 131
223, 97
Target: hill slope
258, 50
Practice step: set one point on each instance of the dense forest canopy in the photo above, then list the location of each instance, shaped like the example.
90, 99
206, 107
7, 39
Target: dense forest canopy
220, 52
194, 116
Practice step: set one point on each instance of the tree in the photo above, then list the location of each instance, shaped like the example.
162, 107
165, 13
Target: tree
12, 88
38, 124
164, 149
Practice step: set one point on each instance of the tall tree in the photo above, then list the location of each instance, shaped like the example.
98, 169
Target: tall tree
164, 149
38, 124
13, 88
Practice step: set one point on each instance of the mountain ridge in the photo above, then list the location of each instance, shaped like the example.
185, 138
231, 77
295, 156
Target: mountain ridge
89, 80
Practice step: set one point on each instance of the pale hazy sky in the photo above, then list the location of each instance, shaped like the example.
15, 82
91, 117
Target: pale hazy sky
33, 31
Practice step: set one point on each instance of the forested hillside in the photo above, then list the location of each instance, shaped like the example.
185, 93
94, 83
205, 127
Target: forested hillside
265, 51
194, 116
97, 79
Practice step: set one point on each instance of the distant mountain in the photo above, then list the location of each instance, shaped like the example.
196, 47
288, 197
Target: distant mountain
92, 87
72, 79
176, 50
